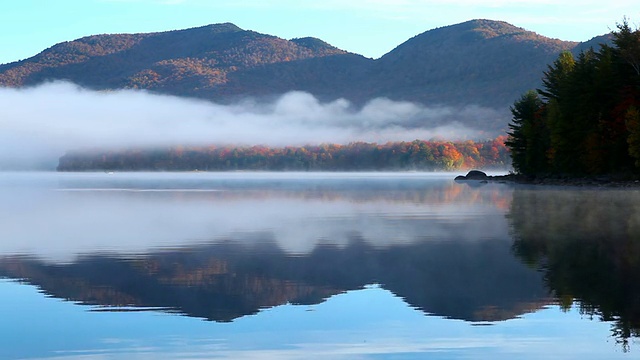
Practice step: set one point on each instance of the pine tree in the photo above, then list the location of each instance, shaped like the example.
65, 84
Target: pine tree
526, 139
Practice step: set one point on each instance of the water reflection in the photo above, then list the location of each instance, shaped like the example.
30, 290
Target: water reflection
224, 246
220, 247
224, 281
133, 213
587, 244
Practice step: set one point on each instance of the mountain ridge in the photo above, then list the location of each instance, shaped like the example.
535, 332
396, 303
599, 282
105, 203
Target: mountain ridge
479, 62
468, 58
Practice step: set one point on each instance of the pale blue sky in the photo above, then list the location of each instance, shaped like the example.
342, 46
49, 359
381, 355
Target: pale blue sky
367, 27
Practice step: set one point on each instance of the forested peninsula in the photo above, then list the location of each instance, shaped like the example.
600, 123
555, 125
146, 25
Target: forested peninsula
357, 156
585, 121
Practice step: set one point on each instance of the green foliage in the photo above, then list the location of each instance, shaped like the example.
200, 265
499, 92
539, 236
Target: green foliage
587, 123
632, 121
527, 132
628, 43
359, 156
555, 78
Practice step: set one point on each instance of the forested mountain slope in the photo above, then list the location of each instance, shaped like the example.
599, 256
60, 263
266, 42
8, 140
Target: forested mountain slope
479, 62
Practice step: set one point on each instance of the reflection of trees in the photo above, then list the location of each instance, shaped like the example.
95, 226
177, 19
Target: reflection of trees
407, 191
587, 243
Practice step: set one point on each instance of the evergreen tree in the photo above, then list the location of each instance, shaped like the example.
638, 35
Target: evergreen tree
527, 136
587, 119
627, 41
556, 82
555, 78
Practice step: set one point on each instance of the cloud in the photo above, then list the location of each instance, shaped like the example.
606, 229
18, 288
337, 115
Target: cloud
54, 118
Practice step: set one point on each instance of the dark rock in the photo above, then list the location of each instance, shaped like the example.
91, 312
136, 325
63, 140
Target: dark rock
476, 175
473, 178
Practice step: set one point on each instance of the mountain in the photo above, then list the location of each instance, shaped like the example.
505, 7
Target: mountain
485, 62
479, 62
193, 62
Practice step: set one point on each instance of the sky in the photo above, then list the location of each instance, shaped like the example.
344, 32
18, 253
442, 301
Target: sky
363, 324
367, 27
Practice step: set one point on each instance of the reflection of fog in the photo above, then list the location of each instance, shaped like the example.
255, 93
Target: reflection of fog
222, 246
59, 216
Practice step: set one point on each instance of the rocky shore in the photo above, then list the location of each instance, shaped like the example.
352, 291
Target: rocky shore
612, 181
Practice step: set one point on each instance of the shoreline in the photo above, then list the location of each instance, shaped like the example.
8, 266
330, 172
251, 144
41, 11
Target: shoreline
605, 181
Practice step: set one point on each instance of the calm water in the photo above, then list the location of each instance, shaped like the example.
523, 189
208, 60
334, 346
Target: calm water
273, 266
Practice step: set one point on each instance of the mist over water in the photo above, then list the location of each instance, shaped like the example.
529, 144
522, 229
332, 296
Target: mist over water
39, 124
61, 216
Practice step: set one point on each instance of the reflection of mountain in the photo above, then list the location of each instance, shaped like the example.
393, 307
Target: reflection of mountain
475, 281
588, 245
186, 282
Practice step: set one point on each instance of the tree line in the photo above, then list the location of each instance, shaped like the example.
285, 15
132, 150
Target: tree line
586, 118
357, 156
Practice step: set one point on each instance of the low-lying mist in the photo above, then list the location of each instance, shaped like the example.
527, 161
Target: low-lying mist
59, 217
39, 124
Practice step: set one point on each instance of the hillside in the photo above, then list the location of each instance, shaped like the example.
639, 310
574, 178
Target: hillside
479, 62
192, 62
487, 62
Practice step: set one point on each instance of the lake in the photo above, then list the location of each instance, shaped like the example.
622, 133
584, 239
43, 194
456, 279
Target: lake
314, 265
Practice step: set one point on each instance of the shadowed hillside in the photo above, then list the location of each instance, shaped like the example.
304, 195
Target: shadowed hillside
481, 61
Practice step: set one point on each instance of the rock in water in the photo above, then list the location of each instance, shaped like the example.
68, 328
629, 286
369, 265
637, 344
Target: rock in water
476, 175
473, 175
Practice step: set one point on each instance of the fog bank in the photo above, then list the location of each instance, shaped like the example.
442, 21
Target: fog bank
39, 124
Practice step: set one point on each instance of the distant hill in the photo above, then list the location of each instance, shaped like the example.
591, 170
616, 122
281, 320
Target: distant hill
192, 62
594, 43
479, 62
